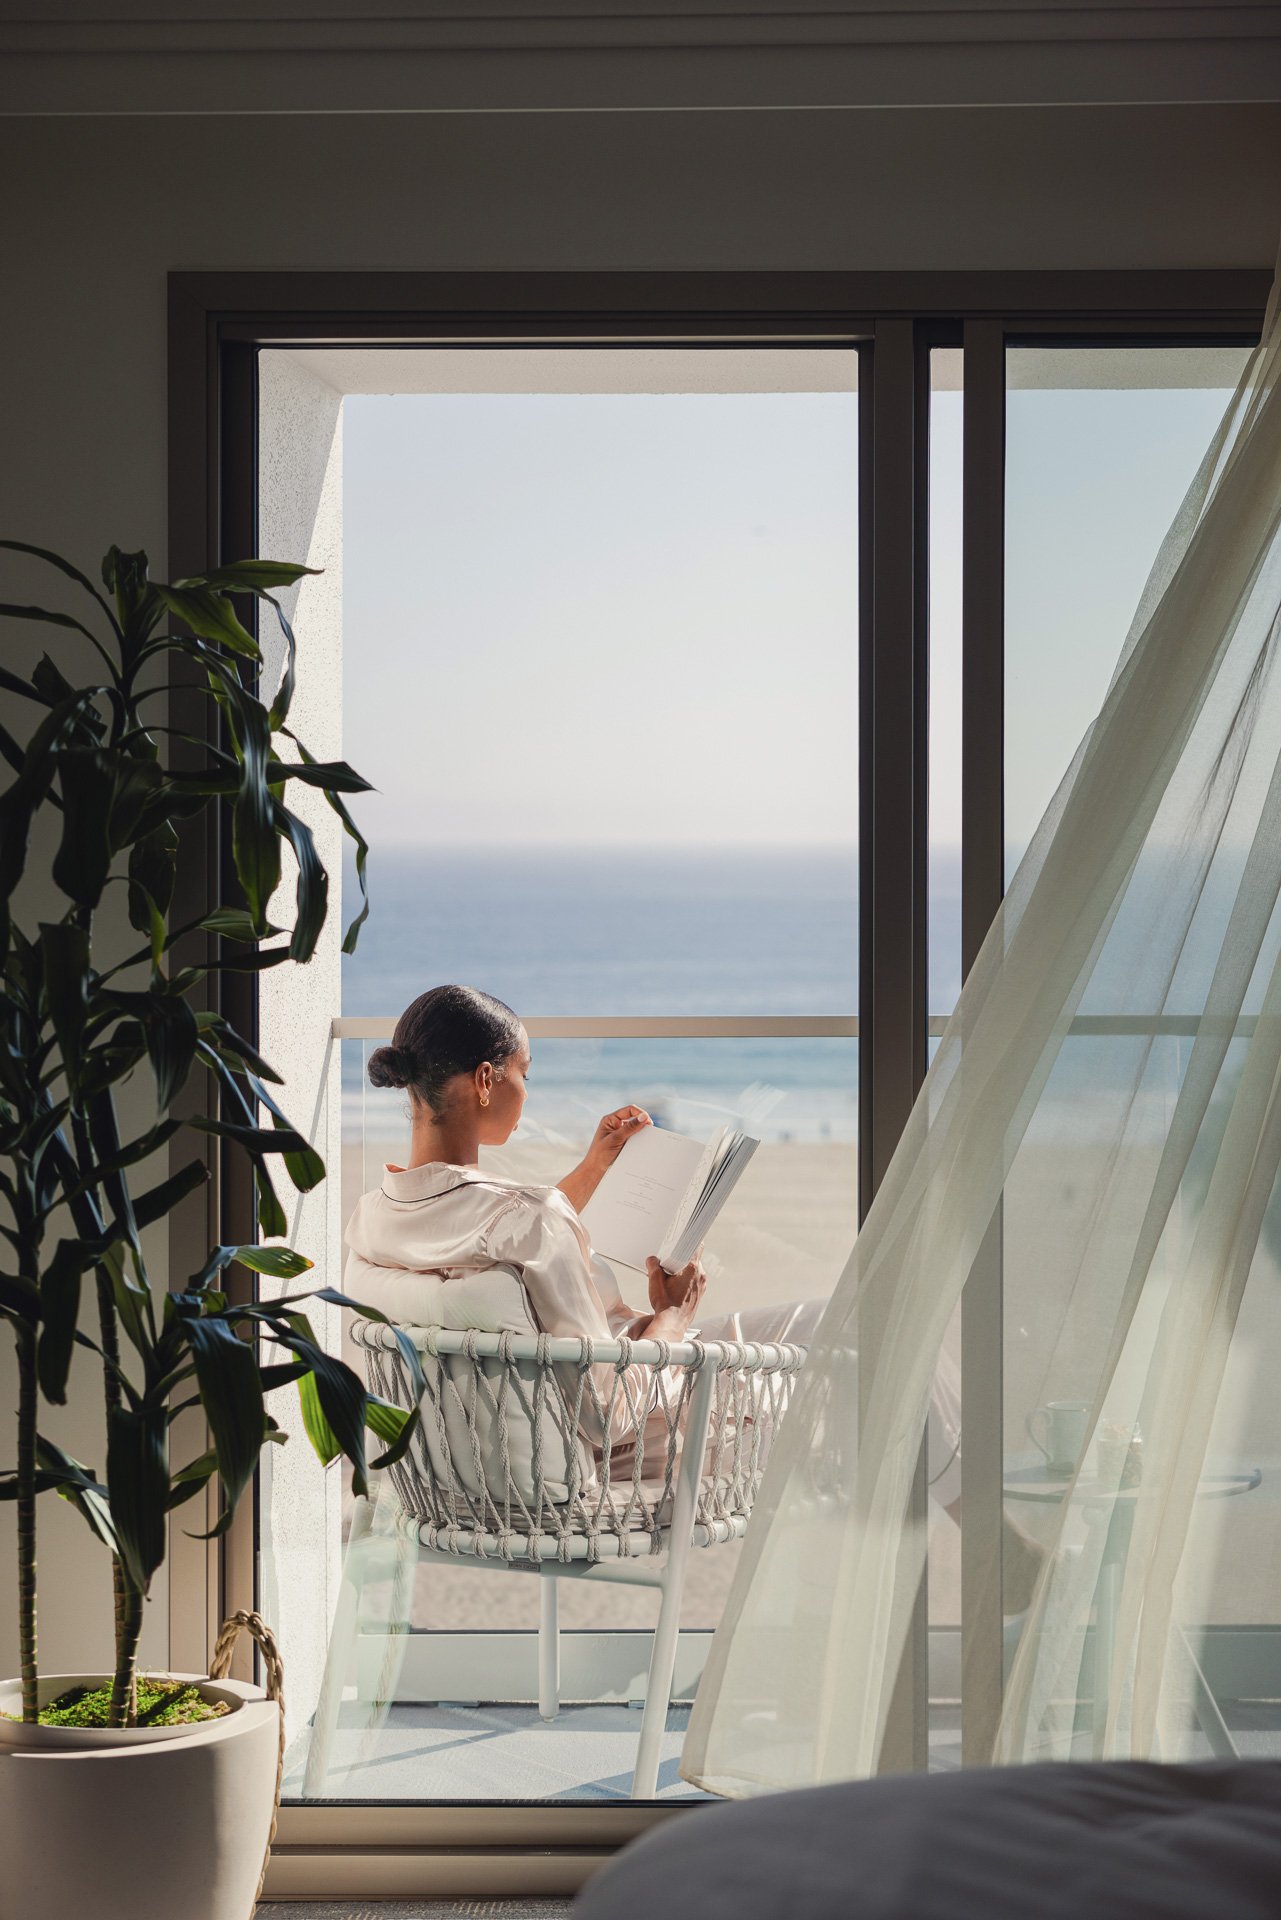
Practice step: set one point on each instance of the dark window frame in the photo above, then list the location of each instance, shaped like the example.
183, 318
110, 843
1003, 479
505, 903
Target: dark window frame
217, 321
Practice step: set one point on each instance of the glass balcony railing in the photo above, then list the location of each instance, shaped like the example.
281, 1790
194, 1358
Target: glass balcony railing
471, 1648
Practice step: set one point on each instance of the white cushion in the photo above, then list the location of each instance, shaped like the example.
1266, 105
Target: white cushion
481, 1300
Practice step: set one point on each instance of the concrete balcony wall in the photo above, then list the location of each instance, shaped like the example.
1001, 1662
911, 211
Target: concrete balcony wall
300, 518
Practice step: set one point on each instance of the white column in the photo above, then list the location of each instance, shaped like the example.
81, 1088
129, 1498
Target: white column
300, 518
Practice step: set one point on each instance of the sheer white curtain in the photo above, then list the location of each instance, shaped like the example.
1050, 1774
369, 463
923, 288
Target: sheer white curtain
1110, 1090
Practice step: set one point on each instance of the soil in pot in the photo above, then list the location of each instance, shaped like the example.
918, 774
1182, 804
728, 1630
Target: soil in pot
161, 1703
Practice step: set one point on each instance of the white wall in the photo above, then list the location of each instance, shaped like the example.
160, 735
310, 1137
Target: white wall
99, 209
300, 518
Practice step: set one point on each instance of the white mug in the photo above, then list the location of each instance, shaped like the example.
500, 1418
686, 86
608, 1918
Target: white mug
1065, 1429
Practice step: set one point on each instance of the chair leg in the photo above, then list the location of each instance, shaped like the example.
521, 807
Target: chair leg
658, 1687
342, 1640
662, 1660
548, 1647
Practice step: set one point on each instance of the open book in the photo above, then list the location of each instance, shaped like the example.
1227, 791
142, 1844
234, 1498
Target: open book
662, 1194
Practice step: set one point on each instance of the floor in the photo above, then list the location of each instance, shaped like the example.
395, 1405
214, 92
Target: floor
502, 1752
415, 1910
505, 1752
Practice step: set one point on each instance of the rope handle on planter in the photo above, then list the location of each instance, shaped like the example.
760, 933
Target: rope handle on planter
274, 1674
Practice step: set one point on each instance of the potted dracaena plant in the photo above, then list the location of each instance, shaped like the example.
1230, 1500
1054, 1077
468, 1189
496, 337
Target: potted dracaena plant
78, 1187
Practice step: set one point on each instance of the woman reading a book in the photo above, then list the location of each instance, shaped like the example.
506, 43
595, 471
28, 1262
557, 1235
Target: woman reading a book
441, 1243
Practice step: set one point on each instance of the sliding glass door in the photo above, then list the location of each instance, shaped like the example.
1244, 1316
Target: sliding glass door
709, 688
599, 656
1103, 441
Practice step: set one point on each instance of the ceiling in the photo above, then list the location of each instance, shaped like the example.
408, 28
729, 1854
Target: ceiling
622, 369
449, 56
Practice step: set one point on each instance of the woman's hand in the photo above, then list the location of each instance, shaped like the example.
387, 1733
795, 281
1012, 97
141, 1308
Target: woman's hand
613, 1133
608, 1141
674, 1297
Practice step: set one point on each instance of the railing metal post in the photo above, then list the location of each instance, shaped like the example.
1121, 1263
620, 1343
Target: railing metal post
982, 886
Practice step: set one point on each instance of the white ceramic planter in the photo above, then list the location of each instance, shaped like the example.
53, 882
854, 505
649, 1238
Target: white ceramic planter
136, 1823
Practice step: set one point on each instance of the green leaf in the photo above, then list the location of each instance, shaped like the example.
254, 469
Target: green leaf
172, 1035
110, 1165
59, 1312
87, 783
208, 614
408, 1425
142, 794
250, 576
24, 689
255, 840
19, 1298
385, 1419
64, 950
11, 610
153, 864
78, 1485
138, 1487
323, 1440
233, 923
19, 802
64, 567
352, 935
125, 576
334, 776
50, 682
255, 1139
11, 1485
131, 1304
272, 1222
282, 1263
193, 788
334, 1411
231, 1394
313, 882
232, 1047
284, 694
161, 1200
276, 1376
258, 962
9, 747
113, 1158
195, 1476
306, 1168
408, 1351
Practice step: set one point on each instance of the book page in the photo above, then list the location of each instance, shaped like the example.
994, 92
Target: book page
727, 1156
632, 1210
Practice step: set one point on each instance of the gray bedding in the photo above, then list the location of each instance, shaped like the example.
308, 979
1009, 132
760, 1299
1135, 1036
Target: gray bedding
1123, 1841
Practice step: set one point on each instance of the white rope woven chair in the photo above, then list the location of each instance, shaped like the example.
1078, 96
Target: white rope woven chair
499, 1474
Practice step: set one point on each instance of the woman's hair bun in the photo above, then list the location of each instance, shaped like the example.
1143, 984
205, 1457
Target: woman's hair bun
390, 1067
445, 1032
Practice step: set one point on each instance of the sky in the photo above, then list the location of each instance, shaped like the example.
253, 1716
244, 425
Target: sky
603, 619
632, 619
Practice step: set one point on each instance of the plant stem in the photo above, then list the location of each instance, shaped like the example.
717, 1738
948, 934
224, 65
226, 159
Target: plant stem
27, 1393
109, 1339
124, 1686
128, 1601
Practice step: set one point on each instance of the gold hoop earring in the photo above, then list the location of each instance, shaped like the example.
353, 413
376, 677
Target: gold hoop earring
484, 1099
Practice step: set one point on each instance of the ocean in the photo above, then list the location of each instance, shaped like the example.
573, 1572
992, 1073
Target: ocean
643, 931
